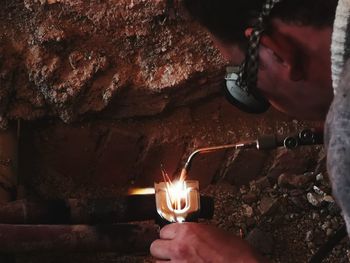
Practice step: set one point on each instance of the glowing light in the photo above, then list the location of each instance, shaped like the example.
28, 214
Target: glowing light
142, 191
177, 199
178, 196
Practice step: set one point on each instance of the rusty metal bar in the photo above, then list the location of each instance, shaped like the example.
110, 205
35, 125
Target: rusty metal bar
120, 209
121, 238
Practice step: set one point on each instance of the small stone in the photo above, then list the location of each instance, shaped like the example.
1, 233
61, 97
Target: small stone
263, 183
329, 232
319, 177
249, 198
273, 193
267, 205
243, 190
288, 180
314, 199
319, 191
328, 199
335, 224
326, 225
252, 186
315, 216
348, 254
248, 210
310, 245
261, 240
309, 236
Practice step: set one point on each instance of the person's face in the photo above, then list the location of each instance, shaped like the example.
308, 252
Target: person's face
296, 81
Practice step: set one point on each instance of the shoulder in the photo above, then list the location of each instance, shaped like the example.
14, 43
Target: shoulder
340, 40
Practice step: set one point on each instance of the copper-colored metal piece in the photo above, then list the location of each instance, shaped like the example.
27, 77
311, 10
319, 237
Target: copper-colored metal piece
179, 206
188, 163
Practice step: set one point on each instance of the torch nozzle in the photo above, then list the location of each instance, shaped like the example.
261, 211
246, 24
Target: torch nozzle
266, 142
187, 166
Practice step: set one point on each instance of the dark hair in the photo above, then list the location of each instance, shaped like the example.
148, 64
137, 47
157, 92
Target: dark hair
228, 19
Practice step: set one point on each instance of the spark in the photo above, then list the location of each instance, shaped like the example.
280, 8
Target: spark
177, 190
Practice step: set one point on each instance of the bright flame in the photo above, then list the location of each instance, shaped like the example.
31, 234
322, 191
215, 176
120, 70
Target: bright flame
178, 193
177, 199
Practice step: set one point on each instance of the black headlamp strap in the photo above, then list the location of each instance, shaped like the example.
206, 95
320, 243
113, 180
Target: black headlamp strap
248, 73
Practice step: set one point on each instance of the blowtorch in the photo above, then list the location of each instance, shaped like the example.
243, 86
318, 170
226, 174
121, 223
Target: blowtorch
265, 142
178, 200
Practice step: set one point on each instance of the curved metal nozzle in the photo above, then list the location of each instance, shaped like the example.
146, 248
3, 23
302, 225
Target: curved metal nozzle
188, 163
266, 142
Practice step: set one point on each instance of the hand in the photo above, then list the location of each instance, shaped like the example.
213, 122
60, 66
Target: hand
191, 242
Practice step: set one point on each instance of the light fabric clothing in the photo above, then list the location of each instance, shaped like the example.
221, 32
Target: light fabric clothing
337, 128
340, 41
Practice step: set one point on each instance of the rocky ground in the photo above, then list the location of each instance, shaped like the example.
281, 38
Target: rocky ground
287, 216
72, 58
287, 220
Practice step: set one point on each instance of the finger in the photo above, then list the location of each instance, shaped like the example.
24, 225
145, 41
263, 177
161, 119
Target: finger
169, 231
160, 249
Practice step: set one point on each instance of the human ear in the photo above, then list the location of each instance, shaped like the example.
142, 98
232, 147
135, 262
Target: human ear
285, 52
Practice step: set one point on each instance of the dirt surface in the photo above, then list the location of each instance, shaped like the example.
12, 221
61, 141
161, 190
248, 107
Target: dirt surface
278, 219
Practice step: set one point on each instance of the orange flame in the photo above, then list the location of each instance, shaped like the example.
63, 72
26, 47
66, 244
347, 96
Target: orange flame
141, 191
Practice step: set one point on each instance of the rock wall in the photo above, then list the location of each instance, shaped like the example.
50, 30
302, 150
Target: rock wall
102, 158
69, 58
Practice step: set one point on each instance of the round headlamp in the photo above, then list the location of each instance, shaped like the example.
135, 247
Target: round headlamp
251, 102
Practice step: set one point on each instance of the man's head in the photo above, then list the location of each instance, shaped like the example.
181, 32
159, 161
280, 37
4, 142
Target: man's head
294, 71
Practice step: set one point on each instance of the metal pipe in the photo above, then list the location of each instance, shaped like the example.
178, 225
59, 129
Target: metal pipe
265, 142
123, 239
121, 209
214, 149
